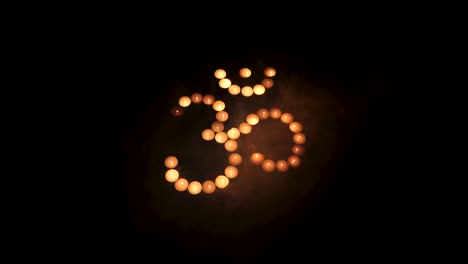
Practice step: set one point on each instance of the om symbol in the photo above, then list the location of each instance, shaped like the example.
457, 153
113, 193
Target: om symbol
229, 137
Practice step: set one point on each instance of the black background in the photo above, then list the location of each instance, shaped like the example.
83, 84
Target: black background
361, 207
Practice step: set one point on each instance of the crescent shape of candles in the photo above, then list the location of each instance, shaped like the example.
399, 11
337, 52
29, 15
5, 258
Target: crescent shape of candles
229, 137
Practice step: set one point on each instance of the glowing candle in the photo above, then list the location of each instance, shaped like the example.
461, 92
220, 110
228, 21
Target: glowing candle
259, 89
282, 165
217, 126
275, 113
231, 145
222, 181
245, 128
286, 118
235, 159
234, 89
231, 171
294, 161
268, 165
245, 73
177, 111
252, 119
257, 158
222, 116
247, 91
263, 113
208, 134
181, 184
295, 127
209, 187
197, 98
172, 175
208, 99
220, 74
298, 150
299, 138
171, 162
270, 72
194, 187
224, 83
221, 137
184, 101
267, 83
233, 133
219, 105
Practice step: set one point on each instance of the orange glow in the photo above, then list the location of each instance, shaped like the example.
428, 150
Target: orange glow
184, 101
295, 127
282, 165
220, 74
234, 89
209, 187
208, 134
197, 98
286, 118
245, 73
298, 150
294, 161
235, 159
245, 128
268, 165
252, 119
222, 181
263, 113
195, 187
299, 138
270, 72
171, 162
275, 113
177, 111
247, 91
219, 105
257, 158
233, 133
231, 171
208, 99
221, 137
217, 126
222, 116
268, 83
259, 89
224, 83
231, 145
172, 175
181, 184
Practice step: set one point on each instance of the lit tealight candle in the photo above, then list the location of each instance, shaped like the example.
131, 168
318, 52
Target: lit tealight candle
295, 127
282, 165
247, 91
222, 181
209, 187
219, 105
257, 158
172, 175
181, 184
231, 171
259, 89
267, 83
217, 126
299, 138
197, 98
231, 145
233, 133
171, 162
224, 83
298, 150
194, 187
287, 118
245, 128
268, 165
235, 159
222, 116
208, 99
208, 134
184, 101
275, 113
252, 119
245, 73
177, 111
294, 161
220, 74
263, 113
221, 137
270, 72
234, 89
